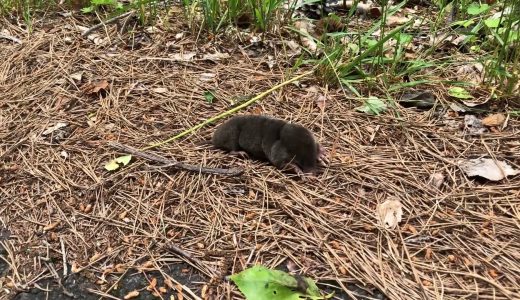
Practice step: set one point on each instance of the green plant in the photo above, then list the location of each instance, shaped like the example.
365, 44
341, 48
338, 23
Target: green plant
215, 14
97, 4
258, 283
147, 10
333, 69
25, 8
263, 12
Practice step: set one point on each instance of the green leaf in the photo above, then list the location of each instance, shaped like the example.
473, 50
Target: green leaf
208, 95
477, 9
459, 93
117, 162
463, 23
373, 106
492, 22
261, 283
103, 2
87, 10
370, 42
404, 38
354, 48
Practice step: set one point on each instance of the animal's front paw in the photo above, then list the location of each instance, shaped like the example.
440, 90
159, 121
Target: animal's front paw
241, 154
303, 176
323, 159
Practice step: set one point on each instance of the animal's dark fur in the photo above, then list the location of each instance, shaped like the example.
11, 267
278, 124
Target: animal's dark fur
277, 141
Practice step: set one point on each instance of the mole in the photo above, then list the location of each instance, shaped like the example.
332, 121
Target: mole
285, 145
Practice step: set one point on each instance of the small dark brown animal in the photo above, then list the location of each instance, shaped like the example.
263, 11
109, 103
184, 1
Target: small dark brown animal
283, 144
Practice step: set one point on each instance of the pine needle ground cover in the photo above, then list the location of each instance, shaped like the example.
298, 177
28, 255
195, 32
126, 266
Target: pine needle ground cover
70, 227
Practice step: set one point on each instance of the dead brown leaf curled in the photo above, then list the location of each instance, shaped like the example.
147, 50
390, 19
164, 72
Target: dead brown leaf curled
437, 179
321, 102
95, 87
390, 213
494, 120
51, 226
131, 295
487, 168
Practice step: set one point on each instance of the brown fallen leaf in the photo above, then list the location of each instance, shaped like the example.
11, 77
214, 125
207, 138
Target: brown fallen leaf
53, 236
437, 179
428, 254
495, 120
51, 226
426, 282
336, 245
306, 30
396, 20
410, 228
493, 273
147, 264
342, 270
95, 87
487, 168
180, 295
95, 257
161, 90
152, 285
321, 102
390, 213
131, 295
204, 292
75, 268
451, 258
88, 208
169, 283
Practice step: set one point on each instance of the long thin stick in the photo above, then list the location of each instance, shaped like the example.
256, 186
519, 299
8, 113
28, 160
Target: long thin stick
95, 27
231, 111
175, 164
11, 38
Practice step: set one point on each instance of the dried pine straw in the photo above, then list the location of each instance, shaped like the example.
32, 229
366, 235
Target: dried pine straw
458, 242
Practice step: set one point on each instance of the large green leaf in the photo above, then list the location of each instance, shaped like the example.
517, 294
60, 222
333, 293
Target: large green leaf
492, 22
373, 106
460, 93
261, 283
477, 9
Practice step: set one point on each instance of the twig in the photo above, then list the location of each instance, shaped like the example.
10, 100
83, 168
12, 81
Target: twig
10, 38
95, 27
172, 248
414, 271
13, 147
174, 164
64, 257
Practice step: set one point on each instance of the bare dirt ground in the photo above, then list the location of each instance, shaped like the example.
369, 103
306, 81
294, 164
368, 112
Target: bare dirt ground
59, 205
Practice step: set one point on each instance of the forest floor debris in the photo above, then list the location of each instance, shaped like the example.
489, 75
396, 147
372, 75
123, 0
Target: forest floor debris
458, 237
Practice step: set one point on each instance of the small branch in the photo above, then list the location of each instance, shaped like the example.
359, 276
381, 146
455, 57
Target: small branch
95, 27
174, 249
64, 255
10, 38
175, 164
